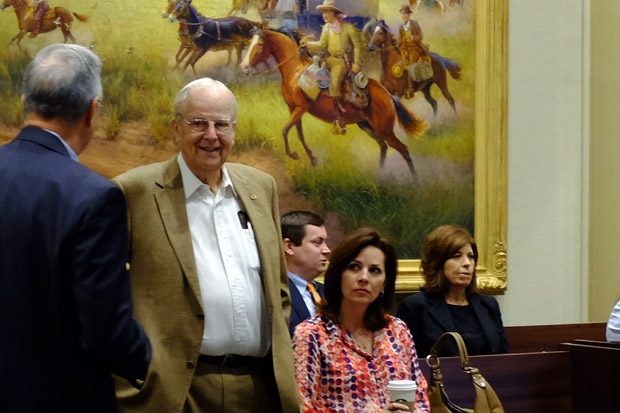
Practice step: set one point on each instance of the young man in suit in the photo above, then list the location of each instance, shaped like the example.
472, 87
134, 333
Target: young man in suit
304, 237
208, 272
65, 302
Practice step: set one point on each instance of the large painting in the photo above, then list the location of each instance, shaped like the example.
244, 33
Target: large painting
450, 167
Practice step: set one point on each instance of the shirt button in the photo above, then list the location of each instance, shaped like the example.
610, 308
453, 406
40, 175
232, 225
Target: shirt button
190, 364
200, 316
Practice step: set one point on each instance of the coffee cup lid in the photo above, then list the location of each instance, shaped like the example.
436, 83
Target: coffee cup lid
402, 384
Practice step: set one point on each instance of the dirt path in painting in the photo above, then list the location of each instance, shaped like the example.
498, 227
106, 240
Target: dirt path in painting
135, 147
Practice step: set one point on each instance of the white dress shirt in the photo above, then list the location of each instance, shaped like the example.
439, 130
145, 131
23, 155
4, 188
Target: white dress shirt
228, 264
302, 285
613, 325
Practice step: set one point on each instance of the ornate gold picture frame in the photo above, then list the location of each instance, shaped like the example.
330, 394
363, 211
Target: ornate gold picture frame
491, 154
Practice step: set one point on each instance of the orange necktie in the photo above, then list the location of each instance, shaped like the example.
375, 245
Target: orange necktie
315, 296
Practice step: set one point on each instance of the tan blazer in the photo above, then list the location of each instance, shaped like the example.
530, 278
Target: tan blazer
165, 288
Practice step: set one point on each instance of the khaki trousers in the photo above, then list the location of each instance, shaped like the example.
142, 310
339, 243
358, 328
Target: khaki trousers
250, 389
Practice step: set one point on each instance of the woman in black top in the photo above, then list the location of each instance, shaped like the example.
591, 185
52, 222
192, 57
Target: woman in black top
449, 300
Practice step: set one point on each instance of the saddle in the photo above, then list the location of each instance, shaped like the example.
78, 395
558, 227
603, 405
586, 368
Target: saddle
418, 72
356, 89
49, 15
316, 78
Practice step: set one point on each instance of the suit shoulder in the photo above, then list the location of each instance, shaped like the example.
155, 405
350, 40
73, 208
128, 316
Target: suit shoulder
139, 179
419, 299
248, 171
486, 300
141, 172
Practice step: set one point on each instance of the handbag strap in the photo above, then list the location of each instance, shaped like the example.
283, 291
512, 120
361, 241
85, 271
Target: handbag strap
486, 398
436, 349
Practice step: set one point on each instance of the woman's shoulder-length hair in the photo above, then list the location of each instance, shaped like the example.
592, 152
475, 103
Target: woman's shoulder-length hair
439, 246
345, 252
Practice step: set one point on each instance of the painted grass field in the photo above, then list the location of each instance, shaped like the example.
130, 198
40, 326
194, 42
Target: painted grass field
137, 46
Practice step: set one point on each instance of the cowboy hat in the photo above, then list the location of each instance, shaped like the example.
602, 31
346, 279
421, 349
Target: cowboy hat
328, 5
405, 10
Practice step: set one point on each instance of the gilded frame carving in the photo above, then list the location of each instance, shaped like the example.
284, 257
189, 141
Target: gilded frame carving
491, 154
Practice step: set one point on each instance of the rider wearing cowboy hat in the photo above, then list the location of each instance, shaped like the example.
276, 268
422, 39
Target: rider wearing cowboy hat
338, 38
410, 43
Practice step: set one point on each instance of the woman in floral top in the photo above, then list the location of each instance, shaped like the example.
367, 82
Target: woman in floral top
348, 352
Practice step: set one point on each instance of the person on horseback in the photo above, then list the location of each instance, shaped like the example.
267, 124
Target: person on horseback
342, 41
410, 45
40, 9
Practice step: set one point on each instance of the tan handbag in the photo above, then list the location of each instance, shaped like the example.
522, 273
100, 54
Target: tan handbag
486, 399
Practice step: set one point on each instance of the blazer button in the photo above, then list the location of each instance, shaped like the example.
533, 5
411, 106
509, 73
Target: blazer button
200, 316
190, 364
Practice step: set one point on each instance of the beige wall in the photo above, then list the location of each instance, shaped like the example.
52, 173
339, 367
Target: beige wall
604, 249
547, 170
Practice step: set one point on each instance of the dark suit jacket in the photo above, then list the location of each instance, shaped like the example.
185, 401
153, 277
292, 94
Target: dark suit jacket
65, 301
299, 311
166, 290
428, 317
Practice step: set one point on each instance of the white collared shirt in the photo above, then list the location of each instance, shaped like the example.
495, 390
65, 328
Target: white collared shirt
302, 285
228, 264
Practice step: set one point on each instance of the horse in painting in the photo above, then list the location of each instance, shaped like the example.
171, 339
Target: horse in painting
377, 119
229, 33
55, 17
383, 40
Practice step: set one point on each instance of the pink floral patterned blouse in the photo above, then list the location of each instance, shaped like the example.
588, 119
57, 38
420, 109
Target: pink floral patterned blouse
335, 375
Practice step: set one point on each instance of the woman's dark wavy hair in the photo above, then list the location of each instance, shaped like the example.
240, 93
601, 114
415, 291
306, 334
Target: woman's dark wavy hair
439, 246
345, 252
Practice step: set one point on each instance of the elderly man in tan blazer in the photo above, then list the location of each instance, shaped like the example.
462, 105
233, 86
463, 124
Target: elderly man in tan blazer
208, 273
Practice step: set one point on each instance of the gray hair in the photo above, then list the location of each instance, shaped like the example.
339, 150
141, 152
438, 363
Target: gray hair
206, 82
61, 82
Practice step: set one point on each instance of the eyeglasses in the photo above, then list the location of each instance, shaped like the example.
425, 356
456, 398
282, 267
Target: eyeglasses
201, 125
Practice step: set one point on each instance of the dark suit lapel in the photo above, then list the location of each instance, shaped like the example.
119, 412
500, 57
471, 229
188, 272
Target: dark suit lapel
440, 312
170, 198
299, 305
487, 325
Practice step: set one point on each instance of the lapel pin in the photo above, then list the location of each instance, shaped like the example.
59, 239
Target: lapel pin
253, 197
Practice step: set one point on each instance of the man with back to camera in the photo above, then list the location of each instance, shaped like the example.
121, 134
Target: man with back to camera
304, 237
208, 271
65, 302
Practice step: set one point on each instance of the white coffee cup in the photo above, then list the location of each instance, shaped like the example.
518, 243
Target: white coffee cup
403, 391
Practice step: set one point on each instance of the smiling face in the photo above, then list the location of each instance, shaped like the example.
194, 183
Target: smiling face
459, 268
364, 278
205, 152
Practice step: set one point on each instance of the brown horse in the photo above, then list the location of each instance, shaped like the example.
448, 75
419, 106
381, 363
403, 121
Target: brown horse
377, 119
55, 17
380, 37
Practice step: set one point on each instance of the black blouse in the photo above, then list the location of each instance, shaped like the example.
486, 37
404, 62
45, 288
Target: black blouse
468, 326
